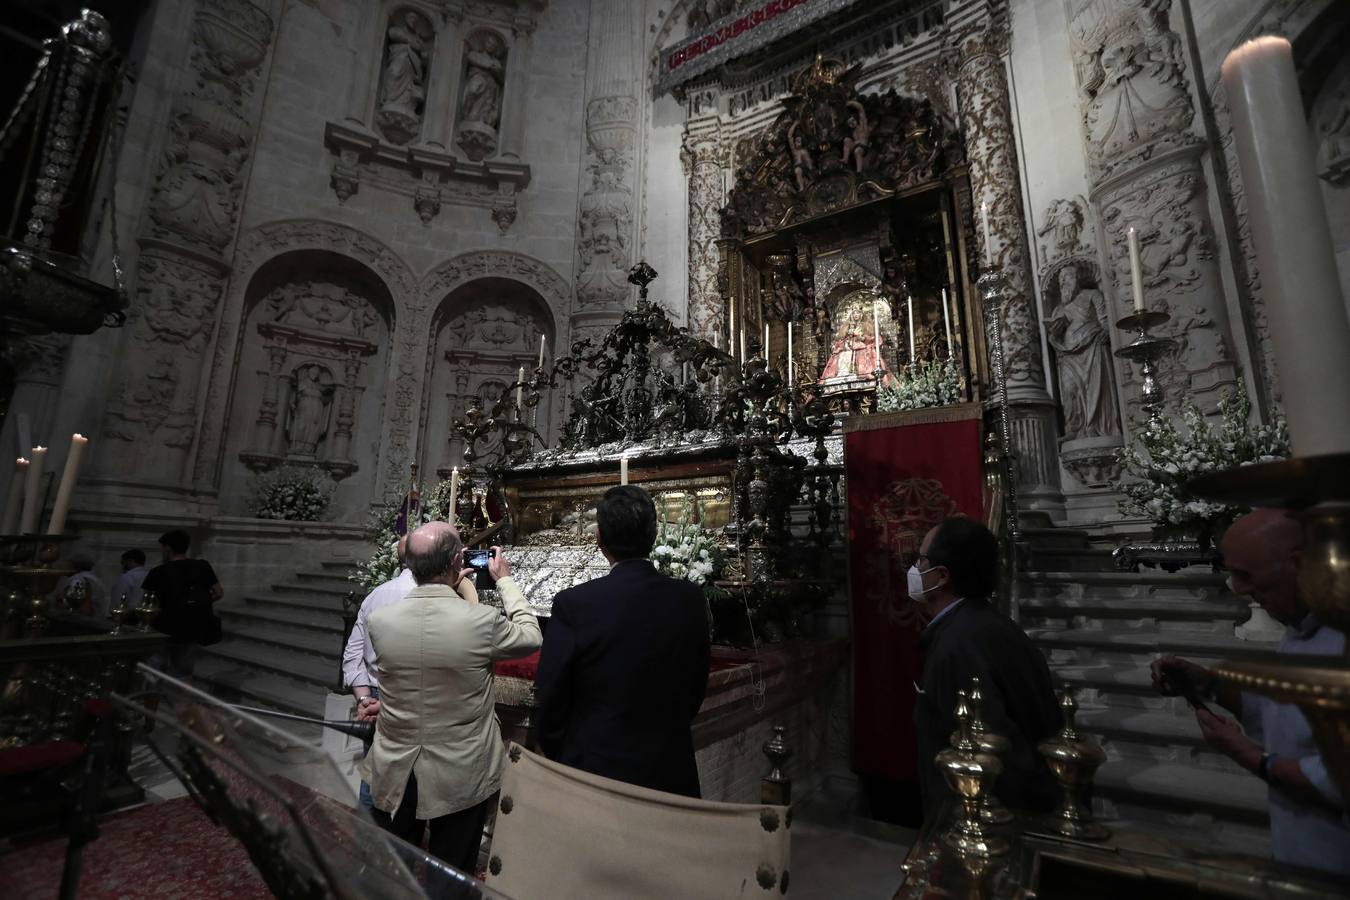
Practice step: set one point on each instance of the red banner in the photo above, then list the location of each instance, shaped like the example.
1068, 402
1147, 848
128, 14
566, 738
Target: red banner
906, 472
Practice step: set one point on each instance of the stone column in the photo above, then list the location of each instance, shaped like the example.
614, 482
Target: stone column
1145, 167
606, 219
185, 245
444, 77
985, 113
516, 91
701, 153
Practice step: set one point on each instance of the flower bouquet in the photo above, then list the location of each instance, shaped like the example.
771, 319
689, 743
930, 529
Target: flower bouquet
925, 384
294, 494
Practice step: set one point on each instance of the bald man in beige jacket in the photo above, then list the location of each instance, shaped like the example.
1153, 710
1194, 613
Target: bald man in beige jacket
438, 754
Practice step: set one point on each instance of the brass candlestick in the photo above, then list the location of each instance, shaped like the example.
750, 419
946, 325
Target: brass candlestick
1074, 760
971, 773
146, 612
119, 613
992, 810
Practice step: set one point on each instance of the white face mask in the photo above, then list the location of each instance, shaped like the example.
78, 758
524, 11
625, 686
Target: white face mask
914, 579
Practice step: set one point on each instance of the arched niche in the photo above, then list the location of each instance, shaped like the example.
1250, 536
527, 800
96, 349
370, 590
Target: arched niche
311, 369
484, 332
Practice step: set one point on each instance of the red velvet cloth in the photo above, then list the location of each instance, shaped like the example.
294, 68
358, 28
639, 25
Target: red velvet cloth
39, 757
902, 480
528, 666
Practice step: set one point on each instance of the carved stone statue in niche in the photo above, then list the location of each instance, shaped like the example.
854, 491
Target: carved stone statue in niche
403, 83
1062, 229
310, 402
1077, 329
480, 109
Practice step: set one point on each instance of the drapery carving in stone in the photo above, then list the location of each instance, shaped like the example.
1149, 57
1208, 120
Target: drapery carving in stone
1131, 78
193, 213
606, 216
403, 80
1331, 125
480, 108
311, 398
1078, 330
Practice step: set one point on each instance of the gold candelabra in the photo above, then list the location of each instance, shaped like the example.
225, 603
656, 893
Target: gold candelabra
970, 773
992, 810
1074, 760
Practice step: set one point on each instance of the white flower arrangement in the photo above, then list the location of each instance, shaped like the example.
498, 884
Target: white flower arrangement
927, 384
292, 493
383, 564
689, 551
1165, 459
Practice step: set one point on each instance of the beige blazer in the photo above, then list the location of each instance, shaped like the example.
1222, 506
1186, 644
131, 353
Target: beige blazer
434, 652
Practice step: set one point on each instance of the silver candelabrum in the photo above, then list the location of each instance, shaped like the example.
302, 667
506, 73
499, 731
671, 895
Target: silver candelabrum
1145, 350
993, 285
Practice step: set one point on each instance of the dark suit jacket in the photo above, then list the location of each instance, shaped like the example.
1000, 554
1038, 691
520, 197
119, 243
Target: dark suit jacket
1018, 701
622, 675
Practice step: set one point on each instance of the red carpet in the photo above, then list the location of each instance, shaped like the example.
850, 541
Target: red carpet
167, 850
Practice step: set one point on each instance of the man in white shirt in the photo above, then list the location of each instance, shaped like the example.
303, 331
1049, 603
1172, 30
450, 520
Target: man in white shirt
1273, 741
128, 584
358, 658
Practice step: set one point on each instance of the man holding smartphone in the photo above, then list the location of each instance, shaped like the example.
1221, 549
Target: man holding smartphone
1307, 813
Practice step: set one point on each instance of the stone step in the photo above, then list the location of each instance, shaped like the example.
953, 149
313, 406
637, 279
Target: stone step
318, 591
231, 682
325, 646
1121, 687
1156, 735
299, 667
298, 600
328, 580
338, 565
274, 616
1143, 644
1177, 787
1094, 609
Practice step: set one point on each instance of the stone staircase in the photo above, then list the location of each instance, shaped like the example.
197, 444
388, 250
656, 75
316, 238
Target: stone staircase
1100, 630
282, 646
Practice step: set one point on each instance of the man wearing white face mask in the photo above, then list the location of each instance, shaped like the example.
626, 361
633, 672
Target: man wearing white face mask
1307, 813
966, 637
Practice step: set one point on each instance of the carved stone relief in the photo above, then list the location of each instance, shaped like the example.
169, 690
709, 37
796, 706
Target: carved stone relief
701, 153
1331, 125
606, 214
270, 241
403, 78
1078, 327
193, 212
480, 108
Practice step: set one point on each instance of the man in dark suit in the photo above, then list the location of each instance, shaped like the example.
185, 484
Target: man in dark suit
956, 571
625, 661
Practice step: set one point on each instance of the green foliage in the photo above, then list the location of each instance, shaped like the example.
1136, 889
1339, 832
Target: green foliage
930, 383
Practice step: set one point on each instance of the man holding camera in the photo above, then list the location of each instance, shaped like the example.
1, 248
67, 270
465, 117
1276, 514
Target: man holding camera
1307, 813
438, 754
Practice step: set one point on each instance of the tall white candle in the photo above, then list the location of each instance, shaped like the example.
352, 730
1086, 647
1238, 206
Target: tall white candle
947, 324
1136, 269
876, 333
1293, 245
742, 343
731, 331
909, 309
541, 350
623, 469
32, 503
520, 390
790, 354
454, 493
66, 491
766, 340
988, 236
14, 503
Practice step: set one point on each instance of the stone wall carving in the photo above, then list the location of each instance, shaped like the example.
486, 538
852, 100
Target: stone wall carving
193, 213
605, 223
1331, 125
1145, 168
269, 242
701, 155
480, 105
403, 77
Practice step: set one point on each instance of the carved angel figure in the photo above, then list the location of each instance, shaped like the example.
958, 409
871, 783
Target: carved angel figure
801, 157
486, 56
1077, 329
855, 143
404, 85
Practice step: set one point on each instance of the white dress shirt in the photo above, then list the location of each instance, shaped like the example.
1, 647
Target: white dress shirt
1301, 833
358, 659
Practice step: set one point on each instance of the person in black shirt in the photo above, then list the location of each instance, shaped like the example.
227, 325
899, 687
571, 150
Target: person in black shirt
951, 580
186, 589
